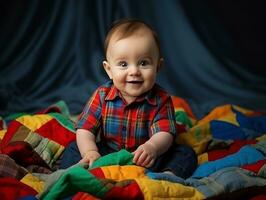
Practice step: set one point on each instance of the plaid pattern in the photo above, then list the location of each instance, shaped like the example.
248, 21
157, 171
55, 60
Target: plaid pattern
125, 126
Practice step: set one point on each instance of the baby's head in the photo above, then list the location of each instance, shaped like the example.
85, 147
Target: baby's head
133, 57
127, 27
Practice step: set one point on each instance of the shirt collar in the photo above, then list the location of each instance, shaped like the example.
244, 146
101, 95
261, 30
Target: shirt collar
149, 96
112, 94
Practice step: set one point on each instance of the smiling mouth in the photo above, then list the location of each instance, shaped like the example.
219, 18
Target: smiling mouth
135, 82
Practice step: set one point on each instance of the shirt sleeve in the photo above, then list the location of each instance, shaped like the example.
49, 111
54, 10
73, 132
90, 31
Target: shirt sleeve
165, 118
90, 117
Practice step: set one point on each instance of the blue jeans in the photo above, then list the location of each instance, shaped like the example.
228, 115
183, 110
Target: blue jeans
179, 159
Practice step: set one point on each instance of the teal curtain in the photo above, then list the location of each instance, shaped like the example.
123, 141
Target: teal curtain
53, 50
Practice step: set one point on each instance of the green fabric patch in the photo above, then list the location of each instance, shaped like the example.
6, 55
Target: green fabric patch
182, 117
76, 179
79, 179
63, 108
122, 157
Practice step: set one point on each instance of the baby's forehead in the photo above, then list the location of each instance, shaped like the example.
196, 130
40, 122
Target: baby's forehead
125, 32
121, 33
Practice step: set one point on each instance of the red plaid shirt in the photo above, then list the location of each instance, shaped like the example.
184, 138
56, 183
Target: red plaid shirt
125, 126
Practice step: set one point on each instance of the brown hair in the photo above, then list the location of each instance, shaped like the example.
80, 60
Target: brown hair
127, 27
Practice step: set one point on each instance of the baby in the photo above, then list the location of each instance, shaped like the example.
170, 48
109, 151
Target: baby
131, 111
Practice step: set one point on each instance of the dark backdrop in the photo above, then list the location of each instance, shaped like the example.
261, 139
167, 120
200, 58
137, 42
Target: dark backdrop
52, 50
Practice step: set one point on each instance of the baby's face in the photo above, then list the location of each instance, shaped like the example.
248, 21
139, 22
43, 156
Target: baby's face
132, 63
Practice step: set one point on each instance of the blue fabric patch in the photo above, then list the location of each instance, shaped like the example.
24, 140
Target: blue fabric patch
246, 155
225, 131
257, 123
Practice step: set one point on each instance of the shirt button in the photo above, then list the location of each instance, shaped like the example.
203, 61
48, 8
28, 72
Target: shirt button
124, 128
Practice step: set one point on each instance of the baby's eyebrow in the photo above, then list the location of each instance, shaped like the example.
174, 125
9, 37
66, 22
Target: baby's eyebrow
120, 59
146, 57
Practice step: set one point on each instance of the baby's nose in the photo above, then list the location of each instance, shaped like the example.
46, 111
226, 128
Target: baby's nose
134, 70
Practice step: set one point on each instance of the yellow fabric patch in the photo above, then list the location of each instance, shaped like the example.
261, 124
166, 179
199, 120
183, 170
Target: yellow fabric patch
203, 158
261, 138
223, 113
33, 182
179, 109
216, 113
2, 133
245, 111
197, 137
119, 173
230, 118
34, 122
158, 189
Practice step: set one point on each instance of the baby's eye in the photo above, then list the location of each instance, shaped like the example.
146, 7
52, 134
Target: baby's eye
144, 62
122, 64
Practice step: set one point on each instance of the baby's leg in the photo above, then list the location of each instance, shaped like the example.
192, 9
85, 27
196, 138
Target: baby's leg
179, 160
70, 156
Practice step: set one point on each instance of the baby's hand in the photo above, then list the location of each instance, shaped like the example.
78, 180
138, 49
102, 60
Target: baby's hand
145, 155
90, 157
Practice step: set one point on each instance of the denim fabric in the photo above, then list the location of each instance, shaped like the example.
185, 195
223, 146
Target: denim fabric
71, 155
226, 180
179, 159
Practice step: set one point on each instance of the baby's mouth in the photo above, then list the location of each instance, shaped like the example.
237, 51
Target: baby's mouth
135, 82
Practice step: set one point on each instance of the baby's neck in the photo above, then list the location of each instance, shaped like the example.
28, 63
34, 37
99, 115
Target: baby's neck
129, 100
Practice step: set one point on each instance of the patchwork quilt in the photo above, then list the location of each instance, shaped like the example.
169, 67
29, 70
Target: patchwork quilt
230, 143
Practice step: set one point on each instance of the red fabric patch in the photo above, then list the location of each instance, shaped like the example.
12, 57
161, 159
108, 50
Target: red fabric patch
234, 147
181, 128
259, 197
84, 196
97, 172
13, 189
11, 130
255, 167
130, 191
54, 131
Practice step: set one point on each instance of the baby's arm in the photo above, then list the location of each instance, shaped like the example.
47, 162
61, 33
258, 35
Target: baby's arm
87, 146
146, 153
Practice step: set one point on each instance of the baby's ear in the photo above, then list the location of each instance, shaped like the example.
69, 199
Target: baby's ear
160, 64
106, 67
